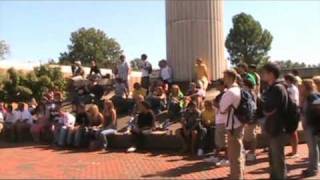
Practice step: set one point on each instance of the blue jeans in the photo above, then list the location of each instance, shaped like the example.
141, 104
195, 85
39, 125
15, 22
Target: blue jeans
105, 133
278, 169
313, 142
61, 136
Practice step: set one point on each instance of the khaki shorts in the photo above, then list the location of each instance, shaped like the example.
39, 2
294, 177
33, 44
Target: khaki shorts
203, 83
250, 132
220, 135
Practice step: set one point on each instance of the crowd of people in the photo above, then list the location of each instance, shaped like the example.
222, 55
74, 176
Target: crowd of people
247, 101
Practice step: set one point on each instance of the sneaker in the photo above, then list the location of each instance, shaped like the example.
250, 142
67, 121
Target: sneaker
250, 157
200, 152
132, 149
212, 159
223, 163
128, 132
105, 146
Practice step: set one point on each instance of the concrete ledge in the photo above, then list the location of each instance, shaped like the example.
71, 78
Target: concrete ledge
169, 140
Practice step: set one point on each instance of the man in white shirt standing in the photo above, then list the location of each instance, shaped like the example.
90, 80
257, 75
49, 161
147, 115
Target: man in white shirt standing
235, 129
123, 71
146, 70
165, 74
24, 120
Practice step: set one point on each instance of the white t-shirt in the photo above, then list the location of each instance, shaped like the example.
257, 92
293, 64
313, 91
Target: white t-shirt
123, 71
1, 117
11, 117
145, 69
166, 73
25, 114
67, 120
221, 118
230, 98
294, 93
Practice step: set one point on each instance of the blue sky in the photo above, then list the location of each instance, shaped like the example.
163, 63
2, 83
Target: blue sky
39, 30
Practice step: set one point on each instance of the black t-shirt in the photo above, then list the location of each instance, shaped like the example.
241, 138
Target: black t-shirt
82, 119
95, 69
145, 120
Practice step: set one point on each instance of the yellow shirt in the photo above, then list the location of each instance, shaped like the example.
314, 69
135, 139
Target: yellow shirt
201, 71
137, 92
208, 117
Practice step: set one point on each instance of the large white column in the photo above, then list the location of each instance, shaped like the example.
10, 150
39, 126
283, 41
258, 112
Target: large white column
195, 29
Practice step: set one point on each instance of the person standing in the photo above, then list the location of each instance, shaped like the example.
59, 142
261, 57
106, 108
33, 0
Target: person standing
297, 76
293, 93
274, 100
146, 69
123, 71
311, 126
202, 74
253, 71
235, 129
165, 75
250, 130
243, 71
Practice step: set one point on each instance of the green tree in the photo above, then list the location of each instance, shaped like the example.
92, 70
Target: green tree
289, 64
247, 41
91, 44
134, 64
21, 86
4, 49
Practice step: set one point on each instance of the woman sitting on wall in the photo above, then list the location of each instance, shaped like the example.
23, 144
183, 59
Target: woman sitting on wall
158, 100
41, 123
96, 122
110, 122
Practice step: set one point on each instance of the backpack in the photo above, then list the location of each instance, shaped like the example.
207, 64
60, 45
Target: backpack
291, 115
246, 110
150, 69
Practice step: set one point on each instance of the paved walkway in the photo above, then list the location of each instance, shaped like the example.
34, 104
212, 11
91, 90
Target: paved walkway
41, 161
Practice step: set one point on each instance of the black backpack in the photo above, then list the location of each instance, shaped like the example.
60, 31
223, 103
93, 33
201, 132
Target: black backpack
150, 69
246, 110
291, 115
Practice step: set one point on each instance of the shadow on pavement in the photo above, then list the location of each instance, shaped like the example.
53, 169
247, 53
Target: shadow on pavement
182, 170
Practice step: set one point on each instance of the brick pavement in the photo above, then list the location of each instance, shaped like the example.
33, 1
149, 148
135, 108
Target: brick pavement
41, 161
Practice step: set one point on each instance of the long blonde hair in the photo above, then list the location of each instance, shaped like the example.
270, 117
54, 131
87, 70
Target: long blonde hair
94, 110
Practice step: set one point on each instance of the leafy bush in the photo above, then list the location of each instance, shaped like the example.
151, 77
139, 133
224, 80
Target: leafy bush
20, 86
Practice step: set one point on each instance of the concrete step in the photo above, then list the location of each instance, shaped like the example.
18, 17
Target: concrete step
169, 139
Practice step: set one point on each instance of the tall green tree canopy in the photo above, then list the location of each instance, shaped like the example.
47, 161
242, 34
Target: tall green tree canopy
4, 49
247, 41
91, 44
288, 64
